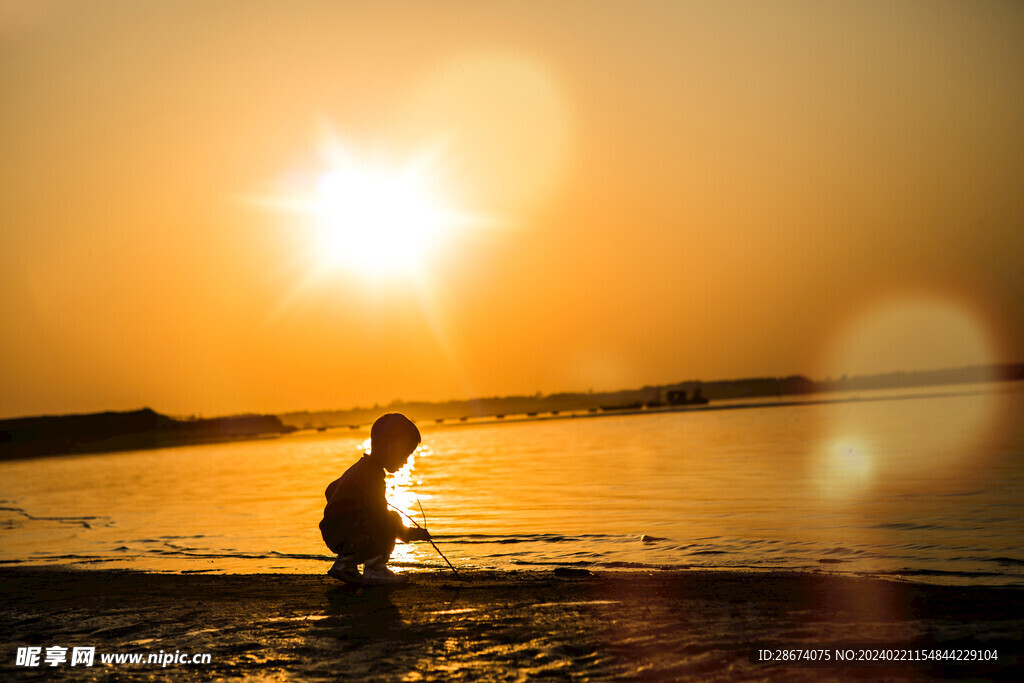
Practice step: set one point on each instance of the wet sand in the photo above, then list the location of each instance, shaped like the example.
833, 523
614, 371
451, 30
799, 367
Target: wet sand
689, 625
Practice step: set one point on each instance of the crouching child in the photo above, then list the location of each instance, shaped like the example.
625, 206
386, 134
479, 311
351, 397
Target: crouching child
357, 524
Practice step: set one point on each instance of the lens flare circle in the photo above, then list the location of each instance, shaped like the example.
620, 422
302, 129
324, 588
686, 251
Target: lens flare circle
920, 442
912, 332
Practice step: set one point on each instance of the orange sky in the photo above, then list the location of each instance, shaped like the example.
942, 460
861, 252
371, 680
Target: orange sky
647, 192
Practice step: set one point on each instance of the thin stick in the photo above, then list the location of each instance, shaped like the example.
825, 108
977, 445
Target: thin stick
429, 540
422, 513
402, 512
432, 540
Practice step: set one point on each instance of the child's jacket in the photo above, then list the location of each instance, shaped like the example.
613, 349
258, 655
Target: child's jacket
356, 507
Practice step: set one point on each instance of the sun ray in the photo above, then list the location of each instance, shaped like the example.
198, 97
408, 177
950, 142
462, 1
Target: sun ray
387, 224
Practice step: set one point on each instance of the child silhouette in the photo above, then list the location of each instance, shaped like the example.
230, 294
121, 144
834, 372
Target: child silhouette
357, 524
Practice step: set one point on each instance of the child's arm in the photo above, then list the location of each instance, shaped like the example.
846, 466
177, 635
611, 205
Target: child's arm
409, 534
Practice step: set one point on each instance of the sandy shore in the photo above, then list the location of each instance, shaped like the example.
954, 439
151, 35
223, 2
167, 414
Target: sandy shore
500, 626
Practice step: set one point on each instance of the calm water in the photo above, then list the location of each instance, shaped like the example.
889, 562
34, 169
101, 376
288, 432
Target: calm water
929, 487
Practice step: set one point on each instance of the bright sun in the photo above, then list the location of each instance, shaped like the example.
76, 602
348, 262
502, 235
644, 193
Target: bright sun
378, 220
375, 217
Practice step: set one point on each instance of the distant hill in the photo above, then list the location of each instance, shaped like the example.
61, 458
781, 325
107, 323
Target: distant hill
29, 437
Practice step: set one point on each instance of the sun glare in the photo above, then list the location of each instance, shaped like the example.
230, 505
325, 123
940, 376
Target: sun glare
377, 220
373, 216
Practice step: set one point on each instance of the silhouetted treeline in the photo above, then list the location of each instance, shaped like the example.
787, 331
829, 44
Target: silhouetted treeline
53, 435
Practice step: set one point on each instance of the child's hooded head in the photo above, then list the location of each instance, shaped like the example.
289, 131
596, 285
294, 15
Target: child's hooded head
393, 438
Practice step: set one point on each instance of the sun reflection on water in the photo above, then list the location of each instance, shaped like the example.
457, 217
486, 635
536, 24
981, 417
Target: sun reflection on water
402, 497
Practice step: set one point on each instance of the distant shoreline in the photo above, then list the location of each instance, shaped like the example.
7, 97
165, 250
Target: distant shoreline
648, 398
711, 407
48, 436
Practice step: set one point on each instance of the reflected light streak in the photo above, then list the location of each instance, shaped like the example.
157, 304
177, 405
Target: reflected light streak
400, 495
400, 487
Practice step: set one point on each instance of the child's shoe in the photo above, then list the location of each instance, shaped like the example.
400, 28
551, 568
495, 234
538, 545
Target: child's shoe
378, 574
345, 569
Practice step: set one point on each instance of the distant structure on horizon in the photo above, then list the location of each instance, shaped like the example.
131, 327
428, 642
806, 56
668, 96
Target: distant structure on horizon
681, 398
693, 392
